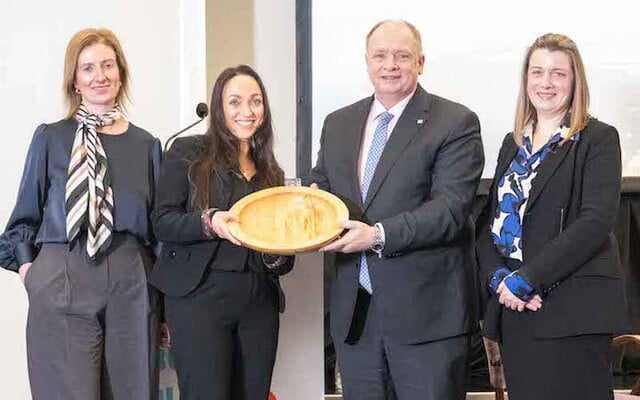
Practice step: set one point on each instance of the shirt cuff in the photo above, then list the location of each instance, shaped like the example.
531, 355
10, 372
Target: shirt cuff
497, 278
24, 253
382, 232
518, 286
205, 218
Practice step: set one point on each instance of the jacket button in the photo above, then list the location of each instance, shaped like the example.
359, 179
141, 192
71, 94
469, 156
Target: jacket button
173, 254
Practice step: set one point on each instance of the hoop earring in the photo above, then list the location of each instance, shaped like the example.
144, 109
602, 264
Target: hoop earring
77, 91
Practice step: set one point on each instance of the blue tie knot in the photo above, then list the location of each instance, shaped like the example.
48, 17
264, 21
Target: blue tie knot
385, 118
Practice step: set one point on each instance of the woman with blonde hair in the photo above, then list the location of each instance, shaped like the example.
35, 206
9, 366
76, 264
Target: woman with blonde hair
547, 254
79, 235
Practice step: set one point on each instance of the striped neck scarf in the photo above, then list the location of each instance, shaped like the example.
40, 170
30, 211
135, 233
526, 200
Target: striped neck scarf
89, 196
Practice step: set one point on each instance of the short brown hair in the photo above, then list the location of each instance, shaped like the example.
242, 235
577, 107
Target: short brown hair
578, 113
412, 28
79, 42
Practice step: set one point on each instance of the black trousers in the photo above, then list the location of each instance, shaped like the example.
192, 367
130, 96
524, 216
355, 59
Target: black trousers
373, 366
224, 337
576, 367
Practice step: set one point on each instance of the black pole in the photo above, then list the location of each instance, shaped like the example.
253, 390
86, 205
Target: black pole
304, 138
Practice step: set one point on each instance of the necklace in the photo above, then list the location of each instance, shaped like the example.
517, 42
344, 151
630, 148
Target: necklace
247, 173
247, 169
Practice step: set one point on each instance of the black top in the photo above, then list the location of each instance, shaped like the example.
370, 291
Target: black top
175, 201
187, 252
39, 215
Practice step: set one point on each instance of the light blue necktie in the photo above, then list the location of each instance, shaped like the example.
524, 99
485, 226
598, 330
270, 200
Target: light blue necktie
375, 151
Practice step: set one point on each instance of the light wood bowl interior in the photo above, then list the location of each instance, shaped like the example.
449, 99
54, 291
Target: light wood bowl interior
288, 219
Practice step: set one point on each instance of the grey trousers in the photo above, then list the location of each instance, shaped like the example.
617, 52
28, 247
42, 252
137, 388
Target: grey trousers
377, 367
88, 325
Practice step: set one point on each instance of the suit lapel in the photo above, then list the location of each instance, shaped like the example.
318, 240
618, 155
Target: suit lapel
413, 118
546, 170
353, 145
221, 189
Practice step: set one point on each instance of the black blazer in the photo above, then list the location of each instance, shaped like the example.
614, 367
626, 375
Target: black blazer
422, 192
186, 250
569, 251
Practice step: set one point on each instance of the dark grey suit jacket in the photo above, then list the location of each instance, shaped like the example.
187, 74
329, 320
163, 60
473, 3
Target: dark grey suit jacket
422, 193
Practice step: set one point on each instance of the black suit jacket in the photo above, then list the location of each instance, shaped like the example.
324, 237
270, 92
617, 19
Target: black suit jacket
569, 251
186, 250
422, 192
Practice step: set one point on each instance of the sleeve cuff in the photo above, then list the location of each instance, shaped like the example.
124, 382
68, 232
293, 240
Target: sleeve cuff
382, 232
519, 286
205, 218
24, 253
497, 278
7, 260
393, 239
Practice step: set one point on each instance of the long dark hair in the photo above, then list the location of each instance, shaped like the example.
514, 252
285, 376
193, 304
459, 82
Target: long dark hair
221, 151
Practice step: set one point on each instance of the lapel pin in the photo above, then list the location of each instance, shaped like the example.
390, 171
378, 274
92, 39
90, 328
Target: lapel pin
420, 121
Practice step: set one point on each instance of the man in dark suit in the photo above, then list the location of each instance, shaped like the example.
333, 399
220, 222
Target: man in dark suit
408, 164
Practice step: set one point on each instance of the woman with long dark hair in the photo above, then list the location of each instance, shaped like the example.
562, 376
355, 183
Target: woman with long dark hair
221, 299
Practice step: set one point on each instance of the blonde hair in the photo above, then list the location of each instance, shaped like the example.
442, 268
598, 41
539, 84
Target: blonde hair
578, 113
77, 44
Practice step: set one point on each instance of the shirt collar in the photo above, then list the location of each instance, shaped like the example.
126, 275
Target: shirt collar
561, 133
377, 108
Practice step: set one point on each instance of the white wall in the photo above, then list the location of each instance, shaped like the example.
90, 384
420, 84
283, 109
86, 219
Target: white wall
275, 60
474, 51
164, 44
299, 371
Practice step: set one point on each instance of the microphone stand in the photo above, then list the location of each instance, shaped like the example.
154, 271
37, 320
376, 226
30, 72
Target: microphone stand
180, 131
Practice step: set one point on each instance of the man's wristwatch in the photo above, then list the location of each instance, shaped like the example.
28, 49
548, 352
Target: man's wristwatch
378, 240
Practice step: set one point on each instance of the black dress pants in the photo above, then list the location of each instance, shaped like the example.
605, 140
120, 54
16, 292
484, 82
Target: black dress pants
224, 337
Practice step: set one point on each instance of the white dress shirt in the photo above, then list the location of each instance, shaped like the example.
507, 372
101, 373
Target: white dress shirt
372, 121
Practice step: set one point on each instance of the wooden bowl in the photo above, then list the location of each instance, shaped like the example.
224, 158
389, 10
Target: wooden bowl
288, 219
